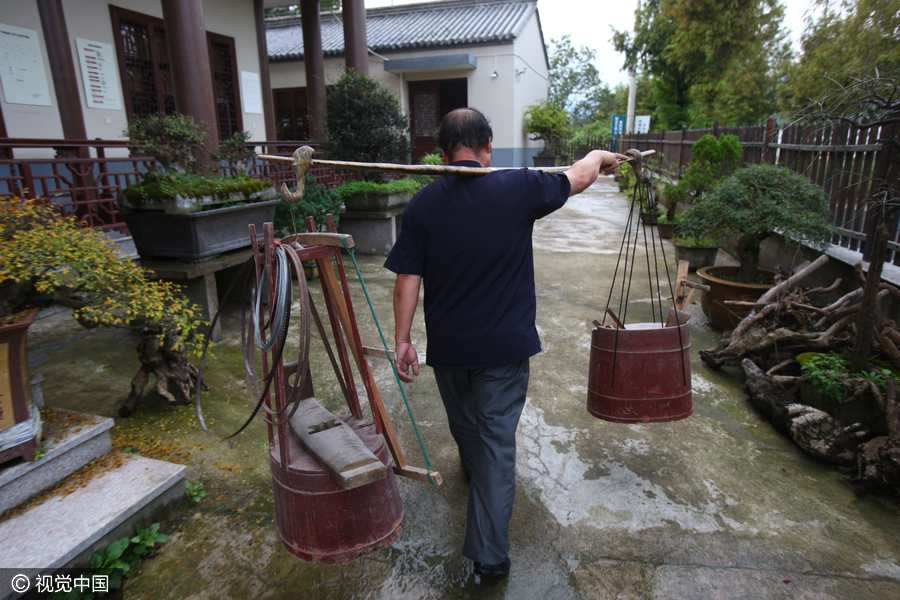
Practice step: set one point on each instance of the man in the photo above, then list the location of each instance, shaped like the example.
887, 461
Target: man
469, 239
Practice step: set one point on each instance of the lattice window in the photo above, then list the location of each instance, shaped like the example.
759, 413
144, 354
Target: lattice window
425, 110
291, 114
147, 75
223, 67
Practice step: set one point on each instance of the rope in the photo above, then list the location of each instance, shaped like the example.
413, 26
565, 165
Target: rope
412, 419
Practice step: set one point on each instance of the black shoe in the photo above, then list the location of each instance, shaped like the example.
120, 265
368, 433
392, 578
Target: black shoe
493, 570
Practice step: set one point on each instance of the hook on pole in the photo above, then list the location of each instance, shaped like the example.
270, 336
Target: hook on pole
300, 164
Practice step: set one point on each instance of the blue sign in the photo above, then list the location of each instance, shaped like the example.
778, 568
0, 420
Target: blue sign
618, 125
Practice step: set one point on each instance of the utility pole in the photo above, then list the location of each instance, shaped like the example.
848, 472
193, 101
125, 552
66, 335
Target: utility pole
632, 89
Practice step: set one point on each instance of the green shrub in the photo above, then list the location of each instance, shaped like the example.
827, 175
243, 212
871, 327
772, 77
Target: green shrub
365, 123
170, 139
407, 184
757, 202
317, 202
235, 153
710, 158
548, 122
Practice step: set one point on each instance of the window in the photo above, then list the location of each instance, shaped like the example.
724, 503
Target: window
147, 76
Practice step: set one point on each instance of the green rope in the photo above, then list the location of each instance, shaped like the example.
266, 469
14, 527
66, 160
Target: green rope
393, 366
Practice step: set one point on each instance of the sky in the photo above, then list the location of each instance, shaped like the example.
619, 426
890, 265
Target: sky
589, 23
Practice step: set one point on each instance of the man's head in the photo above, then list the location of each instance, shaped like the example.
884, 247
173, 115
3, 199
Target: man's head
464, 128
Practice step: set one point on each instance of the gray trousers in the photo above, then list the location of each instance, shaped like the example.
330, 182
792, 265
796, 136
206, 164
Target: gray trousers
483, 407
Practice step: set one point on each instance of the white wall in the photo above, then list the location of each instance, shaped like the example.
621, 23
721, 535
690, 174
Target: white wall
90, 19
503, 98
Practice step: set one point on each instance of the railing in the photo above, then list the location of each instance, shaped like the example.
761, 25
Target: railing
83, 177
839, 157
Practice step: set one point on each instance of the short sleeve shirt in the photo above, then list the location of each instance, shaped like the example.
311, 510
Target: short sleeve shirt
469, 238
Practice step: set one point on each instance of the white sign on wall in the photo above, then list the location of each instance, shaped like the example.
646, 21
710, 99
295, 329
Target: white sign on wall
99, 74
642, 124
251, 93
22, 71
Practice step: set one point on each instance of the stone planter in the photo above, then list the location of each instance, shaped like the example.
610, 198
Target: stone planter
668, 230
377, 201
697, 256
722, 316
197, 236
180, 205
548, 161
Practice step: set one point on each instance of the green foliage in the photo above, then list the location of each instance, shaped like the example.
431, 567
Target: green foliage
189, 185
692, 241
710, 158
755, 202
574, 82
849, 42
146, 540
365, 122
407, 184
708, 59
829, 374
547, 121
235, 153
318, 201
194, 491
170, 139
434, 158
46, 258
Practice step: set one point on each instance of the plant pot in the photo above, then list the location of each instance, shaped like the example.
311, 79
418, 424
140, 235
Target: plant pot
720, 315
193, 237
547, 161
180, 205
668, 230
380, 201
697, 256
20, 420
649, 218
863, 410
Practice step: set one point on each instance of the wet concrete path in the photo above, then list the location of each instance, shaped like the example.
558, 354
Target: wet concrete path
715, 506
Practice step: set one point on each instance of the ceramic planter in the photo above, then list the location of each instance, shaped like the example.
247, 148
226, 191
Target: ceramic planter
180, 205
197, 236
547, 161
20, 421
667, 230
722, 316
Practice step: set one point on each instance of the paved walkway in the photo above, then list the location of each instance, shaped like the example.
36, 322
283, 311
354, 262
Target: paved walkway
714, 506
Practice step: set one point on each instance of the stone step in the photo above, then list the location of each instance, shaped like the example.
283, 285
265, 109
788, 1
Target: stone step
71, 440
65, 528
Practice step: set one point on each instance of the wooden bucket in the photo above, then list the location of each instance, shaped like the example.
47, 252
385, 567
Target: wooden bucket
318, 521
641, 374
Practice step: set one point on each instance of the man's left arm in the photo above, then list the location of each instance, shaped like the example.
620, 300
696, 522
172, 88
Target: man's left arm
584, 172
406, 298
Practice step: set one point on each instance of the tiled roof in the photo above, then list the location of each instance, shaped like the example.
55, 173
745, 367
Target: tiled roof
411, 26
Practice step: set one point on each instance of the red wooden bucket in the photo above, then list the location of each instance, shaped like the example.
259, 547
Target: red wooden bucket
318, 521
641, 374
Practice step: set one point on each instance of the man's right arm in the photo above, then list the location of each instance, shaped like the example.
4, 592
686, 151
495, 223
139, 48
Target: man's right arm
406, 298
584, 172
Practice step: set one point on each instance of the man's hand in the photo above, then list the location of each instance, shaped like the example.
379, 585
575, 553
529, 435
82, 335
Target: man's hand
584, 172
406, 358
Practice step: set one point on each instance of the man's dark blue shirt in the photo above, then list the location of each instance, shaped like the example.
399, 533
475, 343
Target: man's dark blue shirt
469, 238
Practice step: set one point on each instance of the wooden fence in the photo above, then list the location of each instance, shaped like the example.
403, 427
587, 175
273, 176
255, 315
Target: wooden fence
839, 157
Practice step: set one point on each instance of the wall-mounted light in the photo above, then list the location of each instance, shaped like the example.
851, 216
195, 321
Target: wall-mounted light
494, 74
520, 73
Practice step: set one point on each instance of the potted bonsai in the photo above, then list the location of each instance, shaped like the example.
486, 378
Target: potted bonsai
175, 211
547, 121
48, 259
710, 159
750, 206
700, 252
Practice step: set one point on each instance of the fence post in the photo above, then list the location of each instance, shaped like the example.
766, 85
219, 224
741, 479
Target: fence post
681, 150
767, 139
716, 129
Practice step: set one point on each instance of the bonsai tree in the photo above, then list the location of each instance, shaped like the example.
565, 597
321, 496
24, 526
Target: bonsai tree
547, 121
710, 159
754, 204
49, 259
365, 123
175, 141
